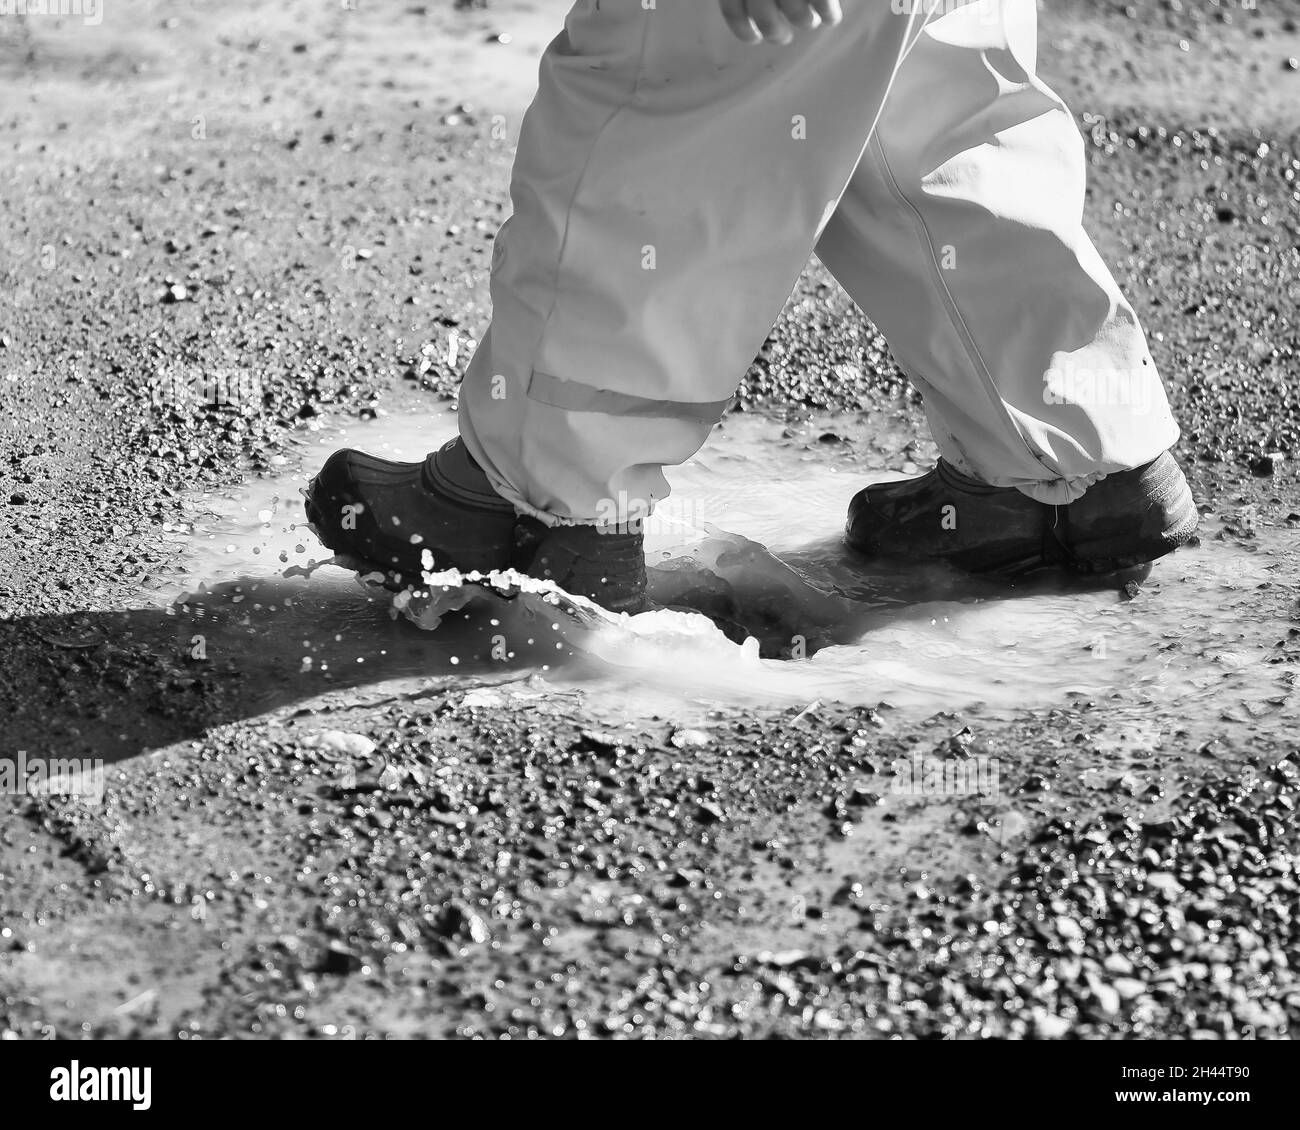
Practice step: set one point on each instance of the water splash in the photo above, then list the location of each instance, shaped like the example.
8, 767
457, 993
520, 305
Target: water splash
786, 615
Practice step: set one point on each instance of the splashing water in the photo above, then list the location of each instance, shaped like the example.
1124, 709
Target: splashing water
762, 604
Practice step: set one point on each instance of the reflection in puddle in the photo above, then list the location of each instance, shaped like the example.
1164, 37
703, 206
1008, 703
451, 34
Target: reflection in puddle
1200, 628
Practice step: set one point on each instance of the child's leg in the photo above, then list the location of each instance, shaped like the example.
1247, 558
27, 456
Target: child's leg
669, 185
960, 236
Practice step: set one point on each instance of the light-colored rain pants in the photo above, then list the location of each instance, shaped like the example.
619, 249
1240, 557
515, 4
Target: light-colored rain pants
670, 183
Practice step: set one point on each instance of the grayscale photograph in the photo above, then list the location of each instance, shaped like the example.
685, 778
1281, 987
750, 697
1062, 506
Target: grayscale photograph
722, 520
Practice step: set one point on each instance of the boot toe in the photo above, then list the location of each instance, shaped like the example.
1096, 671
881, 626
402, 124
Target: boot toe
387, 515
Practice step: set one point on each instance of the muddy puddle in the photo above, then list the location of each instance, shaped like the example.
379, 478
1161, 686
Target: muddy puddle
749, 546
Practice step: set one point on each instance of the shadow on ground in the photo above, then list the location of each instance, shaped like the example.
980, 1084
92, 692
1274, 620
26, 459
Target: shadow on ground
125, 682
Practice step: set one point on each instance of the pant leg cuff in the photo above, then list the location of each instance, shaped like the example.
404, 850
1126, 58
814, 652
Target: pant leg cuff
1060, 492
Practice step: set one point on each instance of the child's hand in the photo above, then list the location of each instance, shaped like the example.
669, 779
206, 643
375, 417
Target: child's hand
776, 20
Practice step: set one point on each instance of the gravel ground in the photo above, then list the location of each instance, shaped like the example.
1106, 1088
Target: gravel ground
298, 206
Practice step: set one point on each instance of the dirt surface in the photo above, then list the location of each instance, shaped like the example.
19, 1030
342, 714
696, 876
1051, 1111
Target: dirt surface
295, 206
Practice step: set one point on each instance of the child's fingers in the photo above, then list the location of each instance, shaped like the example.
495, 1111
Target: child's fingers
799, 12
829, 10
736, 13
769, 20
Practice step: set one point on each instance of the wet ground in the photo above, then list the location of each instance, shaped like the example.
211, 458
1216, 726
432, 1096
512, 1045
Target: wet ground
912, 804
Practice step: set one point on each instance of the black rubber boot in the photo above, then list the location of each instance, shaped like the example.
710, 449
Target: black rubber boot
604, 564
387, 513
1127, 519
